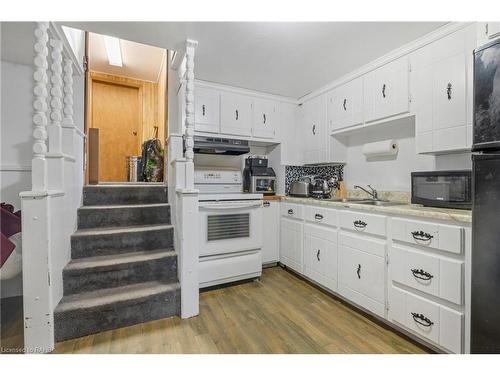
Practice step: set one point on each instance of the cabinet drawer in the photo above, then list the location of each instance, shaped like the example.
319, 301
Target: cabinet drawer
438, 236
363, 222
437, 323
321, 215
428, 273
320, 255
292, 210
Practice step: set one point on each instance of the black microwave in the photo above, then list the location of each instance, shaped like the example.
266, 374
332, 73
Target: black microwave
446, 189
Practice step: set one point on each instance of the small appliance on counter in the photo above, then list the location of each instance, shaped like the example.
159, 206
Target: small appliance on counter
318, 187
301, 188
446, 189
258, 177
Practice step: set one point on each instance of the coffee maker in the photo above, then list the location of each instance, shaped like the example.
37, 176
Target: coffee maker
258, 177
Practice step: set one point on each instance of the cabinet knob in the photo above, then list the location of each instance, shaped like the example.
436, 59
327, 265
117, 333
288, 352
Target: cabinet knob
358, 271
448, 91
383, 90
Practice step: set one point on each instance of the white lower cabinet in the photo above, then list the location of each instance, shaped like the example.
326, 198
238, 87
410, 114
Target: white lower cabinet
320, 255
409, 272
270, 232
291, 243
362, 272
437, 323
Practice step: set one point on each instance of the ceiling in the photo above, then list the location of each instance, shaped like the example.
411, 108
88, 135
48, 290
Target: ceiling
140, 61
284, 58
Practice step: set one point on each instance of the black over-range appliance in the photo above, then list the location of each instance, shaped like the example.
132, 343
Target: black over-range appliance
258, 177
447, 189
485, 303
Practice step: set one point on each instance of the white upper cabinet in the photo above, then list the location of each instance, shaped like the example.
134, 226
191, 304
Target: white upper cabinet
441, 81
265, 118
386, 90
487, 31
236, 114
345, 105
314, 134
291, 147
207, 109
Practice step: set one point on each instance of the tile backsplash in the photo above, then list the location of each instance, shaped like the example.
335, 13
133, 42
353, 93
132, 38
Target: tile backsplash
293, 173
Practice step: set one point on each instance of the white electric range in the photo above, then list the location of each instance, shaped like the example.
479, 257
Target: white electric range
231, 228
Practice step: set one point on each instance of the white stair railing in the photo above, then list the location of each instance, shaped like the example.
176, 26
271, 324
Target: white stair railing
49, 208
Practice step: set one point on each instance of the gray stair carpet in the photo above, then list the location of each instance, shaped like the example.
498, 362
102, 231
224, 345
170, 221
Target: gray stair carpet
123, 267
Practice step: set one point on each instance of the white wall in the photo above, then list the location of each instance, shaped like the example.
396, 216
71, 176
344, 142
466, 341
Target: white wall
393, 174
16, 141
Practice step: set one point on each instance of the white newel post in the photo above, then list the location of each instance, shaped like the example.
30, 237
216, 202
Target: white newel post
37, 293
187, 199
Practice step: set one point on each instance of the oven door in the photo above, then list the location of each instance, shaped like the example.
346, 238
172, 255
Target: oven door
230, 226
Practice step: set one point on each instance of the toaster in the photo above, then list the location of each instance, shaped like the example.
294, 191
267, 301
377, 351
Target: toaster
300, 189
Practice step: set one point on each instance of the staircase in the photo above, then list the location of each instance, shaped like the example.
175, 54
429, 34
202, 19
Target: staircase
123, 269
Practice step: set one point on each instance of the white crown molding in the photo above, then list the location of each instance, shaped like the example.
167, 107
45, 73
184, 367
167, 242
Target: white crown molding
239, 90
393, 55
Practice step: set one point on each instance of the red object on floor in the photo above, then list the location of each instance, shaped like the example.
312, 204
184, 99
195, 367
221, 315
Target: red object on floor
10, 224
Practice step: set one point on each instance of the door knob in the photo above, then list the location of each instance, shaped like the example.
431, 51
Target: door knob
134, 133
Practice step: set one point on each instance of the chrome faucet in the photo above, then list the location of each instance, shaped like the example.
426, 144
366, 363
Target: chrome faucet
373, 193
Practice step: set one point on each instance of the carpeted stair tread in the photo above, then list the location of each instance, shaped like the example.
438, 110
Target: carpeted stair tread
120, 205
107, 194
122, 294
106, 261
118, 230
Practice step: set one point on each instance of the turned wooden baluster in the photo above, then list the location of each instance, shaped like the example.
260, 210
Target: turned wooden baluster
189, 111
56, 92
40, 92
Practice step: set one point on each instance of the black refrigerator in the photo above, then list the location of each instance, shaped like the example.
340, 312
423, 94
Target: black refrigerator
485, 293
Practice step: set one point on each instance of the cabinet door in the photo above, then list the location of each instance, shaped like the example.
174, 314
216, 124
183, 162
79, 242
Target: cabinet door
493, 30
290, 138
314, 130
291, 243
320, 256
265, 118
270, 244
345, 105
386, 90
207, 110
236, 114
449, 107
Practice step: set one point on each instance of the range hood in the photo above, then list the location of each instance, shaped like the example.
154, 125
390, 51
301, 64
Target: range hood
220, 146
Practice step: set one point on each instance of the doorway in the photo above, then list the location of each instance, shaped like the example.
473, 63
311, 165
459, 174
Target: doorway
126, 111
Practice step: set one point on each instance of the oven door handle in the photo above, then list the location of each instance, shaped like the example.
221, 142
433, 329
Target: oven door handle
230, 206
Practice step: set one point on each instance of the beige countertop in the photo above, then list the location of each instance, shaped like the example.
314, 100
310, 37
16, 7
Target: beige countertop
460, 216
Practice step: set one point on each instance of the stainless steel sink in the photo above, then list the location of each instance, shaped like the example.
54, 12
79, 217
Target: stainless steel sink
370, 202
381, 203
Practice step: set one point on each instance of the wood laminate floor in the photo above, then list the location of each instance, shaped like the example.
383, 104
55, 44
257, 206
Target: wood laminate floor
278, 314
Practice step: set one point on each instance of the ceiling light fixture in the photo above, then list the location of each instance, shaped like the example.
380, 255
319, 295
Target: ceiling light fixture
113, 49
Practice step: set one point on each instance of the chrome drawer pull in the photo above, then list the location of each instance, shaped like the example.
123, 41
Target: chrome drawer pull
422, 319
318, 217
421, 274
358, 271
420, 235
267, 204
290, 212
360, 224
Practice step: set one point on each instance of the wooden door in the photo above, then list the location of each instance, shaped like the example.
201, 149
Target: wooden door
116, 112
